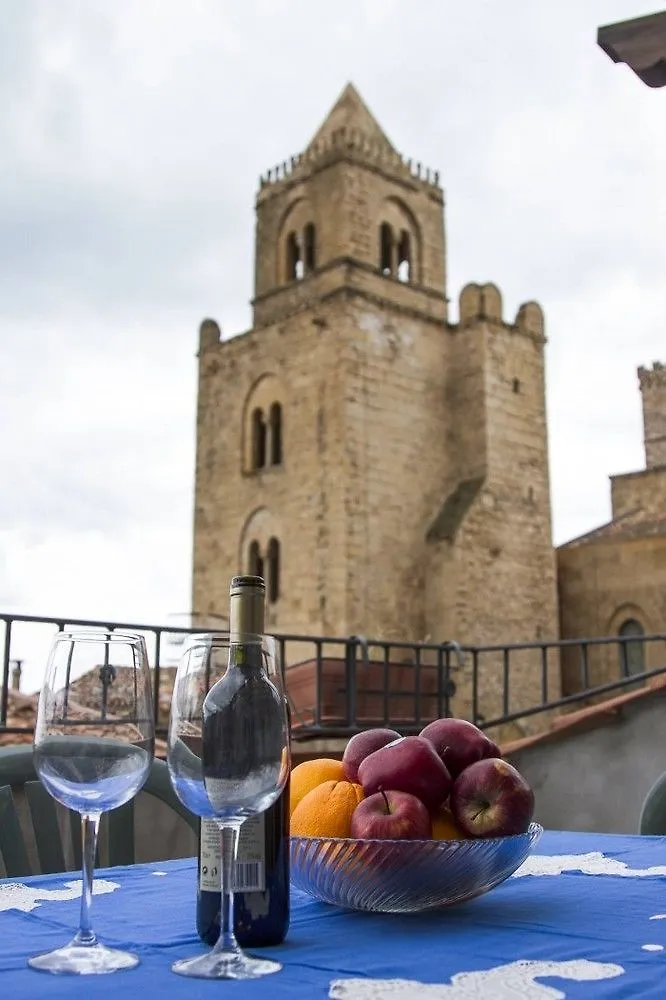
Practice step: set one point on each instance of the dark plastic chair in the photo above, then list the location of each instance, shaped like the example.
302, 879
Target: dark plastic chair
17, 769
653, 814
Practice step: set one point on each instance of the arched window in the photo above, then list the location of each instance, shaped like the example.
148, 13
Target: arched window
404, 256
275, 426
294, 258
386, 249
632, 653
273, 581
258, 439
310, 248
255, 563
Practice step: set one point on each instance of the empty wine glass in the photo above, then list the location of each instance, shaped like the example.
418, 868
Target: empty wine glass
229, 757
93, 748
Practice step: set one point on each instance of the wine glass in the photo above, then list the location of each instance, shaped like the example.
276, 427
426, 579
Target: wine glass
93, 748
229, 758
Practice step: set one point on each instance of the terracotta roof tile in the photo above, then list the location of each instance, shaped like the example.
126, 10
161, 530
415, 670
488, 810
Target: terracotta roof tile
589, 717
22, 713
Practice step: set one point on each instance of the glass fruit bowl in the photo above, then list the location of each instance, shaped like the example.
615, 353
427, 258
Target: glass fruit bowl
405, 876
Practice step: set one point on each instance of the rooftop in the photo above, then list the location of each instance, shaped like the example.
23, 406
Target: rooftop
634, 524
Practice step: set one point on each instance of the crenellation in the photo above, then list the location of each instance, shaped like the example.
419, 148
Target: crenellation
652, 382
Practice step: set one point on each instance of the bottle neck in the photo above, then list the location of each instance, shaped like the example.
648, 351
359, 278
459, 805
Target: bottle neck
246, 618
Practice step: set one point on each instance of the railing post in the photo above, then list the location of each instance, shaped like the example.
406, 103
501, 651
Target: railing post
5, 672
350, 674
318, 685
157, 676
475, 686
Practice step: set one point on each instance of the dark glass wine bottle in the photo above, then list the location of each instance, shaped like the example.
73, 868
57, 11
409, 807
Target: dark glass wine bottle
261, 892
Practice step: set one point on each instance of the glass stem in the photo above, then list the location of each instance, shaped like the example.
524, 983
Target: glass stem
89, 830
229, 846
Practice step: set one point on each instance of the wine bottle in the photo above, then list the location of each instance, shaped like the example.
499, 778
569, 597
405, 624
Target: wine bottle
261, 883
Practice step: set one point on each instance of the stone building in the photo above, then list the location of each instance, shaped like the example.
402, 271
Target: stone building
612, 580
383, 466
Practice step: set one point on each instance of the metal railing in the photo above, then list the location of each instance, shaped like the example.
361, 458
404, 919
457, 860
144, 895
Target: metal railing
340, 685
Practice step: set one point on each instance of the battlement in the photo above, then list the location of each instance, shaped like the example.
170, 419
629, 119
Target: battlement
652, 383
484, 302
651, 378
351, 144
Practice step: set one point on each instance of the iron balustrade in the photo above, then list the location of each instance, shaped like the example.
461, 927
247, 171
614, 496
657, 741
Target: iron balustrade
340, 685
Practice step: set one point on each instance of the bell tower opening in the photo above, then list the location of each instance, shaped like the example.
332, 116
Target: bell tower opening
404, 257
294, 259
386, 250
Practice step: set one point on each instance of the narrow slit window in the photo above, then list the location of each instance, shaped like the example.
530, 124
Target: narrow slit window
258, 439
294, 261
310, 248
273, 581
386, 249
275, 424
404, 257
255, 562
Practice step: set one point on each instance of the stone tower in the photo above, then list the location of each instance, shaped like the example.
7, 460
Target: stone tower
385, 468
653, 390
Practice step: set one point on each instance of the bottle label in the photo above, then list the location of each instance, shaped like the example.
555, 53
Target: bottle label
250, 873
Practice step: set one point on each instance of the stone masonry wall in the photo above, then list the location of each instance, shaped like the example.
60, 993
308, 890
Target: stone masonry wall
602, 584
644, 490
306, 358
497, 571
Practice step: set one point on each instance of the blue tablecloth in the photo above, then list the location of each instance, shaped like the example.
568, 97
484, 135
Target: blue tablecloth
586, 917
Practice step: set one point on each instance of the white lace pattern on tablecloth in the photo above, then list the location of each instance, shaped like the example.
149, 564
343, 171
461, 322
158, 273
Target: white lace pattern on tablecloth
594, 863
516, 981
17, 896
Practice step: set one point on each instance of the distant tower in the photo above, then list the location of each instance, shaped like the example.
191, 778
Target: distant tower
653, 390
386, 470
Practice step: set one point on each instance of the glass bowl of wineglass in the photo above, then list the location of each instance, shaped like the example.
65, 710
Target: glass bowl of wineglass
229, 758
93, 755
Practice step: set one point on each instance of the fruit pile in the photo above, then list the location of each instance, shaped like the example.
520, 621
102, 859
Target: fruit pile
448, 783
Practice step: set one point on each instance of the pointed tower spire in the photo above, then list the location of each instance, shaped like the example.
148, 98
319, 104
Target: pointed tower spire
350, 112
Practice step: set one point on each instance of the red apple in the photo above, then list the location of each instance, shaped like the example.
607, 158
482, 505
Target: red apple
459, 743
491, 799
391, 815
361, 746
409, 764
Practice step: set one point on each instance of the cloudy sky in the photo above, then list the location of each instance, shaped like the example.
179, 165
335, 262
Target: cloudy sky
132, 134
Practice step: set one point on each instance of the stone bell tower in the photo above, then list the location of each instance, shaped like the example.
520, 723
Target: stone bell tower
312, 426
384, 468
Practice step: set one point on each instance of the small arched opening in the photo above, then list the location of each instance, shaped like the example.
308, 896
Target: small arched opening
275, 434
294, 258
273, 560
310, 248
255, 562
386, 243
404, 256
632, 652
258, 439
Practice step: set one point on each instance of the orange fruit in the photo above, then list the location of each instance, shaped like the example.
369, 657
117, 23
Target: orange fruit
309, 774
444, 826
326, 810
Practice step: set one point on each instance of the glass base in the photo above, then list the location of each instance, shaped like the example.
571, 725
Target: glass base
229, 965
83, 960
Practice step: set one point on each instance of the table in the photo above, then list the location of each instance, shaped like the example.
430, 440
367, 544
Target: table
584, 917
